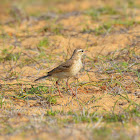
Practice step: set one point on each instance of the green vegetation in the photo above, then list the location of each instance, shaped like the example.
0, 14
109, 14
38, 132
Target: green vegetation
53, 27
111, 26
36, 36
2, 102
51, 99
52, 113
6, 55
102, 132
96, 13
37, 90
43, 43
81, 117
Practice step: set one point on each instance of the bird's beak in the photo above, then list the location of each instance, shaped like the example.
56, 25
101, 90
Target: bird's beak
85, 51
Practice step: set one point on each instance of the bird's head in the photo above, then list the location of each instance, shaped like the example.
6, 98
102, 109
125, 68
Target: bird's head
78, 53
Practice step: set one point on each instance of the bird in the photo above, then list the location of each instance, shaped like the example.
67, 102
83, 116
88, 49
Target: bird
67, 69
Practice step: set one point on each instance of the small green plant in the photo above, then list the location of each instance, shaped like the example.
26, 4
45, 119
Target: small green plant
109, 26
40, 91
7, 56
102, 133
115, 118
2, 102
95, 13
70, 113
57, 29
53, 28
125, 23
84, 118
134, 112
51, 99
44, 43
79, 118
103, 29
13, 57
37, 90
51, 113
132, 4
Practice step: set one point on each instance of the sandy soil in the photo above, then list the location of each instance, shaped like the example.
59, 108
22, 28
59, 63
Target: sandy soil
21, 33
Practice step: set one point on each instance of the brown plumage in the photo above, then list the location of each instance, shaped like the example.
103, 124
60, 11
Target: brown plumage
67, 69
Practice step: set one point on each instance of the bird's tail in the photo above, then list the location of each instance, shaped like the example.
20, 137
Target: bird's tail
40, 78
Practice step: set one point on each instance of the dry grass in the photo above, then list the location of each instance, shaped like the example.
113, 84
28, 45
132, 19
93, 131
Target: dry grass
35, 40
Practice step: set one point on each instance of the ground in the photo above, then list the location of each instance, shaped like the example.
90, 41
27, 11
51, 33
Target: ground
36, 36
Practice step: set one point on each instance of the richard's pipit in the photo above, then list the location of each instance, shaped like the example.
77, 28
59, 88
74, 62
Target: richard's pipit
67, 69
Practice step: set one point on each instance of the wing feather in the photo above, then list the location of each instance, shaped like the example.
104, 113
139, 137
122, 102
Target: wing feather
64, 67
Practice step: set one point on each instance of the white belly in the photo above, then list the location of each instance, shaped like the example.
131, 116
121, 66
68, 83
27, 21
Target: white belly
76, 67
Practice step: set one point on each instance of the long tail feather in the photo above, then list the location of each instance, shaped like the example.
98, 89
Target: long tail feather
40, 78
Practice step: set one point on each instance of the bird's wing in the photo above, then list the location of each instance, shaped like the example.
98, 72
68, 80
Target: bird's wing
64, 67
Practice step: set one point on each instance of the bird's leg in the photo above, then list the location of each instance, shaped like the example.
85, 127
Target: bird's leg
70, 88
67, 85
58, 89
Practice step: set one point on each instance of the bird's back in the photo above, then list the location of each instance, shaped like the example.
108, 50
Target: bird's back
64, 67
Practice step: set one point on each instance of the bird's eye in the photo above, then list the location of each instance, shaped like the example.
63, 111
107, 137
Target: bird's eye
82, 51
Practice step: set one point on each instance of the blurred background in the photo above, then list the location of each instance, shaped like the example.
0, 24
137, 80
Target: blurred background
38, 35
